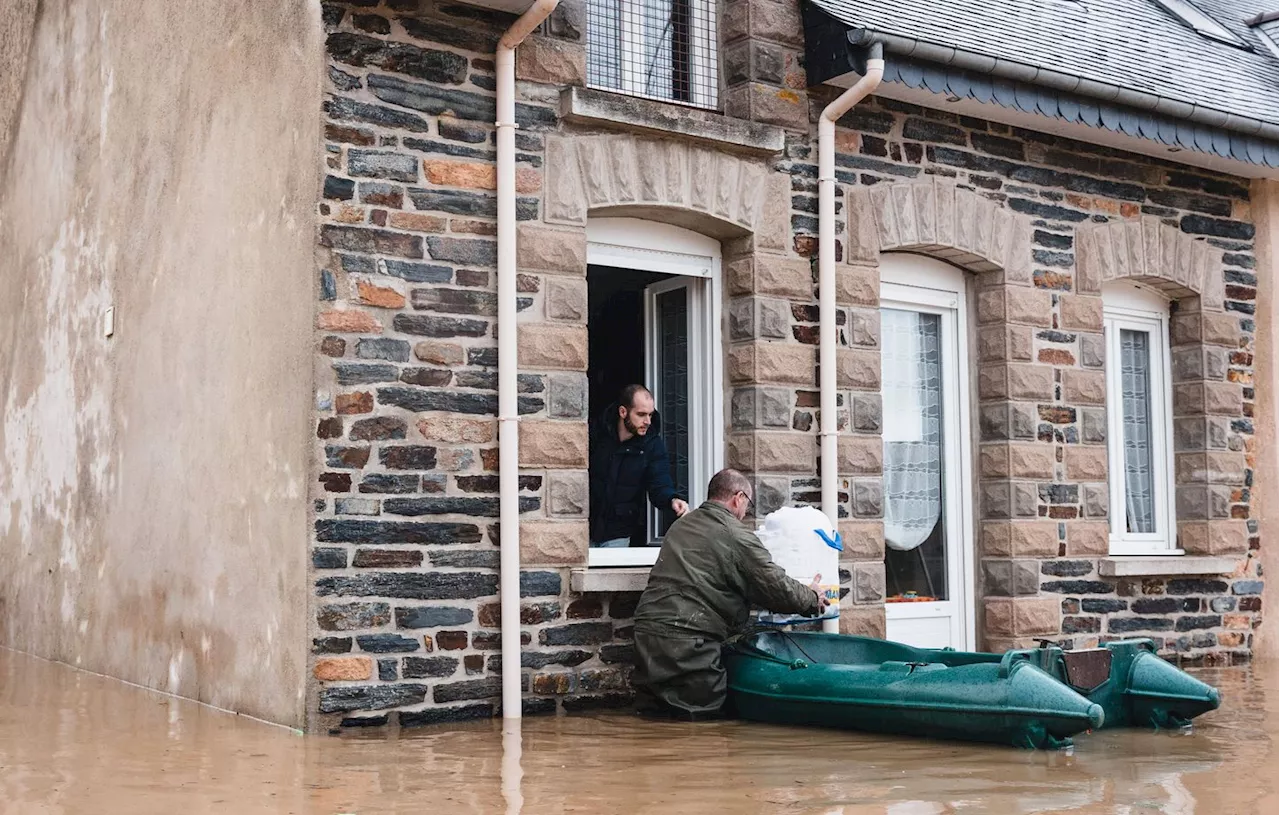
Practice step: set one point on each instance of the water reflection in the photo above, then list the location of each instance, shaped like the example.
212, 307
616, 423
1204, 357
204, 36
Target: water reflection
76, 743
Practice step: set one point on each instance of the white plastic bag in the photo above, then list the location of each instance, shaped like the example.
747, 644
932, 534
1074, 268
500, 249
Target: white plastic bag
803, 542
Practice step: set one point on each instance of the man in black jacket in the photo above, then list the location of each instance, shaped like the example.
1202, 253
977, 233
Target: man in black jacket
629, 461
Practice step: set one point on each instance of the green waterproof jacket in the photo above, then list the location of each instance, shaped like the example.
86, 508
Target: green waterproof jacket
710, 573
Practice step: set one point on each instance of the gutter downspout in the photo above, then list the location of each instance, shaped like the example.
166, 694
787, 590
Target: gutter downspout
863, 88
508, 410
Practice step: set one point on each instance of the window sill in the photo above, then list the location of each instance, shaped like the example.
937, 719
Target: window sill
1164, 566
604, 579
590, 106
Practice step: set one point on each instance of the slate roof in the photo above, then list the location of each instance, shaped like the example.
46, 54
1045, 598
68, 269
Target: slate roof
1135, 44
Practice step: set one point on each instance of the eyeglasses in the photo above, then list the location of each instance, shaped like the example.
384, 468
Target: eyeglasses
751, 505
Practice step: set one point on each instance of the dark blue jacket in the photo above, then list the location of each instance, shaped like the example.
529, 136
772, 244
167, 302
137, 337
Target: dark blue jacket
622, 473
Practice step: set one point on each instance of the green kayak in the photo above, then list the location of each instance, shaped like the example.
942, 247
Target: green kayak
1029, 698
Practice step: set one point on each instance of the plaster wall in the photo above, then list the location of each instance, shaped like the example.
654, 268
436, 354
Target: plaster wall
1264, 200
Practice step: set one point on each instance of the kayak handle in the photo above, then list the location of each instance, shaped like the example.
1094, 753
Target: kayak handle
1006, 663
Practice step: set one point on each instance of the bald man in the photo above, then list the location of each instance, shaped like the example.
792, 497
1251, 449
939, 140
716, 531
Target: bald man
710, 572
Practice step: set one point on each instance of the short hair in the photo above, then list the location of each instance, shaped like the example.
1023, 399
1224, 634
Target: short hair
627, 398
726, 483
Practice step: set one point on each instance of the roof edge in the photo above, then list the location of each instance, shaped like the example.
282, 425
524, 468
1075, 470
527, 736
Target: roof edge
1025, 72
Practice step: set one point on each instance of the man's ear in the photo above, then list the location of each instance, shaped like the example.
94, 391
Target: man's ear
622, 412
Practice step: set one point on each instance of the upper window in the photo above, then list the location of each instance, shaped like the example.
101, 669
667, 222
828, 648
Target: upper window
1139, 425
1201, 22
661, 49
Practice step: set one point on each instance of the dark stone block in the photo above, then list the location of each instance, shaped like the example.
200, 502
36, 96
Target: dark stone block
489, 483
455, 301
1251, 604
1093, 605
324, 557
329, 428
387, 643
1060, 493
440, 327
429, 667
1078, 587
430, 64
467, 36
930, 131
432, 617
997, 146
486, 357
468, 689
482, 507
391, 532
349, 110
611, 654
386, 559
331, 645
1197, 586
466, 559
1066, 568
339, 189
444, 715
450, 149
416, 400
874, 165
406, 457
1190, 201
1124, 625
380, 428
540, 584
370, 697
1222, 604
1062, 260
463, 251
388, 670
328, 286
1155, 605
1214, 186
455, 202
1217, 227
417, 272
336, 482
1198, 622
411, 586
432, 100
366, 721
382, 348
537, 706
370, 241
867, 120
372, 23
1050, 211
357, 373
427, 377
388, 484
331, 14
577, 634
382, 164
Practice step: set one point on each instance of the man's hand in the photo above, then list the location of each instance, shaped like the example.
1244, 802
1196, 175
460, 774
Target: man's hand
679, 507
816, 585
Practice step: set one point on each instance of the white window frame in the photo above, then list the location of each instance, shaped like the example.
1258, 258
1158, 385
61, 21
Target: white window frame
929, 285
633, 45
1133, 307
627, 243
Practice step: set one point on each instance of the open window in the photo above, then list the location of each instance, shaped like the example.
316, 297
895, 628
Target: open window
1139, 427
653, 295
661, 49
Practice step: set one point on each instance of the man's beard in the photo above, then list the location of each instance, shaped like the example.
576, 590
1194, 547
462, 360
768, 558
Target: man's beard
632, 429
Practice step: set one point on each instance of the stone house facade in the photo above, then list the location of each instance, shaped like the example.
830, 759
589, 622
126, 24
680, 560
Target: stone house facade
405, 557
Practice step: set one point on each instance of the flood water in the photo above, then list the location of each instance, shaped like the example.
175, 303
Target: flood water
72, 742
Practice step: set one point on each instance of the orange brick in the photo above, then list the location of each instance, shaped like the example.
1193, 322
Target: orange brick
350, 403
336, 669
349, 322
461, 174
471, 227
379, 296
528, 180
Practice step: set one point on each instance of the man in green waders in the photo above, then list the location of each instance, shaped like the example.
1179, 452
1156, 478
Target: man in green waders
710, 572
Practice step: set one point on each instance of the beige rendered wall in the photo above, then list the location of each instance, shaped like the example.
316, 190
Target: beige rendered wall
161, 158
1264, 197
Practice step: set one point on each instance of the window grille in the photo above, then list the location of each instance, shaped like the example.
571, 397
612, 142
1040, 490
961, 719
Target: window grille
660, 49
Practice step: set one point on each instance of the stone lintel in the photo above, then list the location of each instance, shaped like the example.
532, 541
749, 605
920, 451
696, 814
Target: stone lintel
1134, 566
588, 106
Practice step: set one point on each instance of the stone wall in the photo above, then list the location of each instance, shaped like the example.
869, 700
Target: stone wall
405, 554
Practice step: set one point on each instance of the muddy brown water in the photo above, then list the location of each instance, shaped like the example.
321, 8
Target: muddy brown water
72, 742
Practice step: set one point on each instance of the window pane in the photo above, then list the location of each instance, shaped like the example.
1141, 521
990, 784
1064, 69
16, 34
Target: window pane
663, 49
915, 537
1135, 385
673, 390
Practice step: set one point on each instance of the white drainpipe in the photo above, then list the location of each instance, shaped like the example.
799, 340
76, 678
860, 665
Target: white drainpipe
827, 283
508, 409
